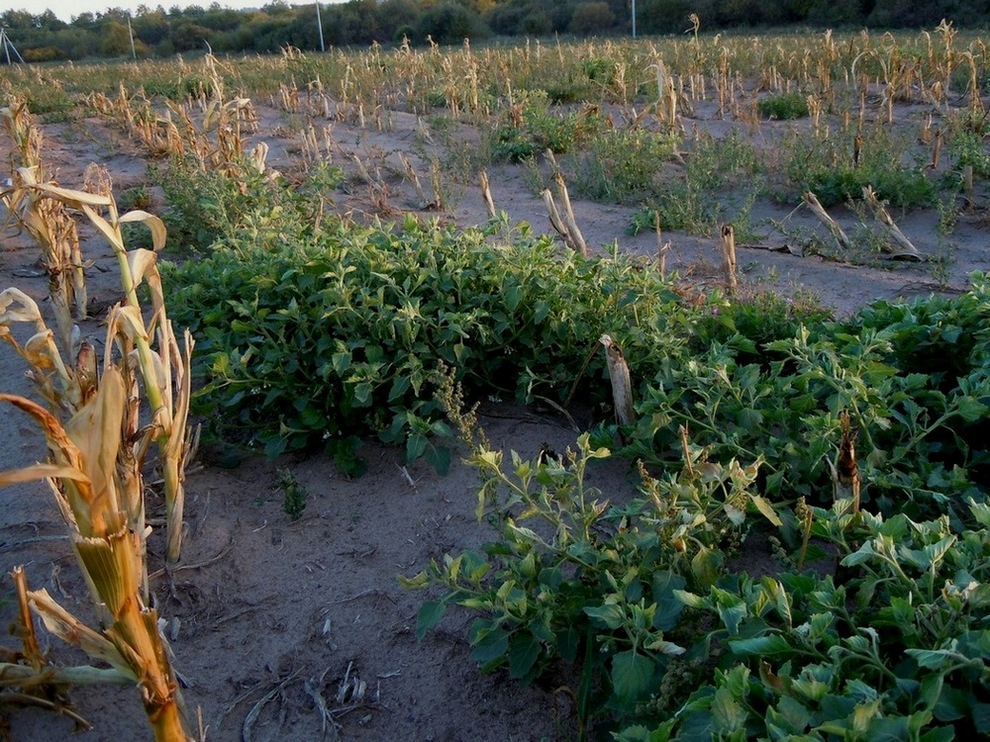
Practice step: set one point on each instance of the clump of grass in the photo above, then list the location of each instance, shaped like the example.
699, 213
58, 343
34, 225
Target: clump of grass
784, 106
623, 165
529, 127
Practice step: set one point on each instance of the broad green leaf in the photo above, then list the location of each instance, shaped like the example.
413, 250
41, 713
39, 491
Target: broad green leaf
971, 409
791, 715
415, 447
439, 457
932, 659
941, 734
731, 609
430, 614
705, 565
491, 647
524, 650
888, 729
749, 419
761, 646
362, 394
513, 294
640, 733
735, 680
729, 714
631, 675
609, 614
810, 688
864, 554
669, 608
691, 600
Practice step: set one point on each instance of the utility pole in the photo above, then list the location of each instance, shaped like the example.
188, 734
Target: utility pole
130, 33
319, 25
7, 45
634, 18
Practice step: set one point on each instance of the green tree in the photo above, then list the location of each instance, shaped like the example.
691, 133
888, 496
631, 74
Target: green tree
450, 24
591, 18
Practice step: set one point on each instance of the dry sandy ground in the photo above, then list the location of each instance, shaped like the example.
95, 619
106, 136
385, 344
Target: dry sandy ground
266, 611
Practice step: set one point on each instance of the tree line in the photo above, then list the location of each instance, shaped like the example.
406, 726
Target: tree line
158, 32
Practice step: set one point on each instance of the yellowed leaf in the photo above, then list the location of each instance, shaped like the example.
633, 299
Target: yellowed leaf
112, 235
41, 471
16, 306
143, 267
96, 431
130, 322
155, 225
70, 197
70, 629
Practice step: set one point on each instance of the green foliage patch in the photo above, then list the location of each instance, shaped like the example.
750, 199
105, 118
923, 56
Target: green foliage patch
323, 337
784, 106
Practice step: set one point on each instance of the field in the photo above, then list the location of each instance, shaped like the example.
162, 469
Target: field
783, 238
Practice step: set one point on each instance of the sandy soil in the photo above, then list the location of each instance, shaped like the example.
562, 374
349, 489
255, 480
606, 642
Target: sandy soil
266, 612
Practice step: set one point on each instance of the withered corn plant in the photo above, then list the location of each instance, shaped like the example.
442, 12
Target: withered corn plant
89, 490
97, 444
146, 350
47, 221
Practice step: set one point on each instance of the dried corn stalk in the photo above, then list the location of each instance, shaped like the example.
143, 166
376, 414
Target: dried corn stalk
486, 193
662, 247
164, 370
833, 226
48, 222
845, 471
578, 239
729, 257
618, 372
907, 250
82, 474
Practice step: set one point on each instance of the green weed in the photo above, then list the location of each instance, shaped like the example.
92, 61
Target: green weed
784, 106
294, 495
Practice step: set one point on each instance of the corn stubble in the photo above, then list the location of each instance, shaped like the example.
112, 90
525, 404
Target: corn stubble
97, 446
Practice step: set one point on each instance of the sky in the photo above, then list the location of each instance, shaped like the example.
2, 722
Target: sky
67, 9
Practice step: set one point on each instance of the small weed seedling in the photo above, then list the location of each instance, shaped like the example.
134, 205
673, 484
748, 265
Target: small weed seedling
295, 494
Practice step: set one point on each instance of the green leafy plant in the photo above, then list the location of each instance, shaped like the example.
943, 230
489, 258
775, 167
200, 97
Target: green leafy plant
784, 106
294, 495
898, 648
576, 579
622, 165
529, 128
787, 408
837, 169
297, 336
